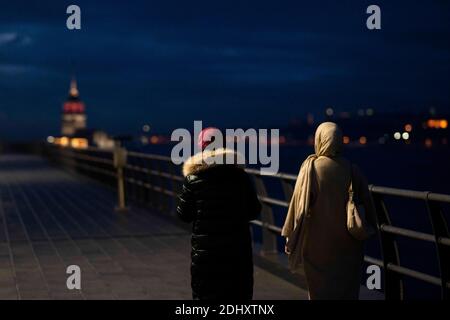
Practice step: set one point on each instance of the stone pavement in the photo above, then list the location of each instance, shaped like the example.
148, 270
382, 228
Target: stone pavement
50, 219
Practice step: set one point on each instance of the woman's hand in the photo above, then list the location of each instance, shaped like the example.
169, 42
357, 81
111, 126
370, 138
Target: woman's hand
286, 249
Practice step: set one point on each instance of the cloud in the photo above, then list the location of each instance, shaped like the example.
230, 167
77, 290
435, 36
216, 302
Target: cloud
9, 69
7, 37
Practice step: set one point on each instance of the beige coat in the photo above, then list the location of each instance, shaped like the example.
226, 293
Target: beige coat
331, 258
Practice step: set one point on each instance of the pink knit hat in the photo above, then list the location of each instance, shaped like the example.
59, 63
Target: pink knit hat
206, 137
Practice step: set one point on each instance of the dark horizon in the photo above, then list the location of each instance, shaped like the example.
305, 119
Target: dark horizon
226, 63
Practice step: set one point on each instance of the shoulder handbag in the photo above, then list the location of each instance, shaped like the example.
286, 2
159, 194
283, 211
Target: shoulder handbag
357, 223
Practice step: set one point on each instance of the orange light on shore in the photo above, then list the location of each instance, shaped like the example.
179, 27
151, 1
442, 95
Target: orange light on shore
428, 143
408, 127
79, 143
64, 141
437, 123
363, 140
346, 140
154, 139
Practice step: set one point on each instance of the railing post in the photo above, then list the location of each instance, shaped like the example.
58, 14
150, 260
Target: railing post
152, 194
146, 188
269, 239
120, 160
393, 284
142, 190
440, 230
174, 186
133, 189
162, 201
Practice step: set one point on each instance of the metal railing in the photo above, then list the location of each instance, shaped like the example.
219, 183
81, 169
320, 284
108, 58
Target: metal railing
154, 180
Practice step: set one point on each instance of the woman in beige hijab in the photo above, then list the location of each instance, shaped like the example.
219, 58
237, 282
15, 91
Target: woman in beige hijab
330, 257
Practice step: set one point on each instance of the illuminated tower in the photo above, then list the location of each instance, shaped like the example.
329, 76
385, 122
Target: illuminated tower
73, 116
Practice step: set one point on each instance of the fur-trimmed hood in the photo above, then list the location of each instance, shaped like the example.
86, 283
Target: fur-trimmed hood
210, 158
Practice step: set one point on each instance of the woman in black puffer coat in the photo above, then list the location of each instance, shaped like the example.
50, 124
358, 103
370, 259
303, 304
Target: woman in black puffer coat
220, 201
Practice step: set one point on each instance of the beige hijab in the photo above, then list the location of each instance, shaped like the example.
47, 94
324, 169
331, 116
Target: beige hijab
327, 143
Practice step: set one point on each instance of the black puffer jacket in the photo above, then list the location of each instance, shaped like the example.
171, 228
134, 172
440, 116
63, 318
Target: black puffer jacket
220, 201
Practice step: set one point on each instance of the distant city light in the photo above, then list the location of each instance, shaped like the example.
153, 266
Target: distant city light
437, 123
146, 128
361, 112
154, 139
369, 112
144, 140
428, 143
329, 112
79, 143
405, 135
363, 140
50, 139
346, 140
64, 141
397, 136
408, 127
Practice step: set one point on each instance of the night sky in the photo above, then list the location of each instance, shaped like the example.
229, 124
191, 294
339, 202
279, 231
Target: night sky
228, 63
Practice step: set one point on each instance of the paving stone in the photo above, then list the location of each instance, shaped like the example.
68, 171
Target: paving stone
34, 295
99, 296
6, 273
8, 292
66, 296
